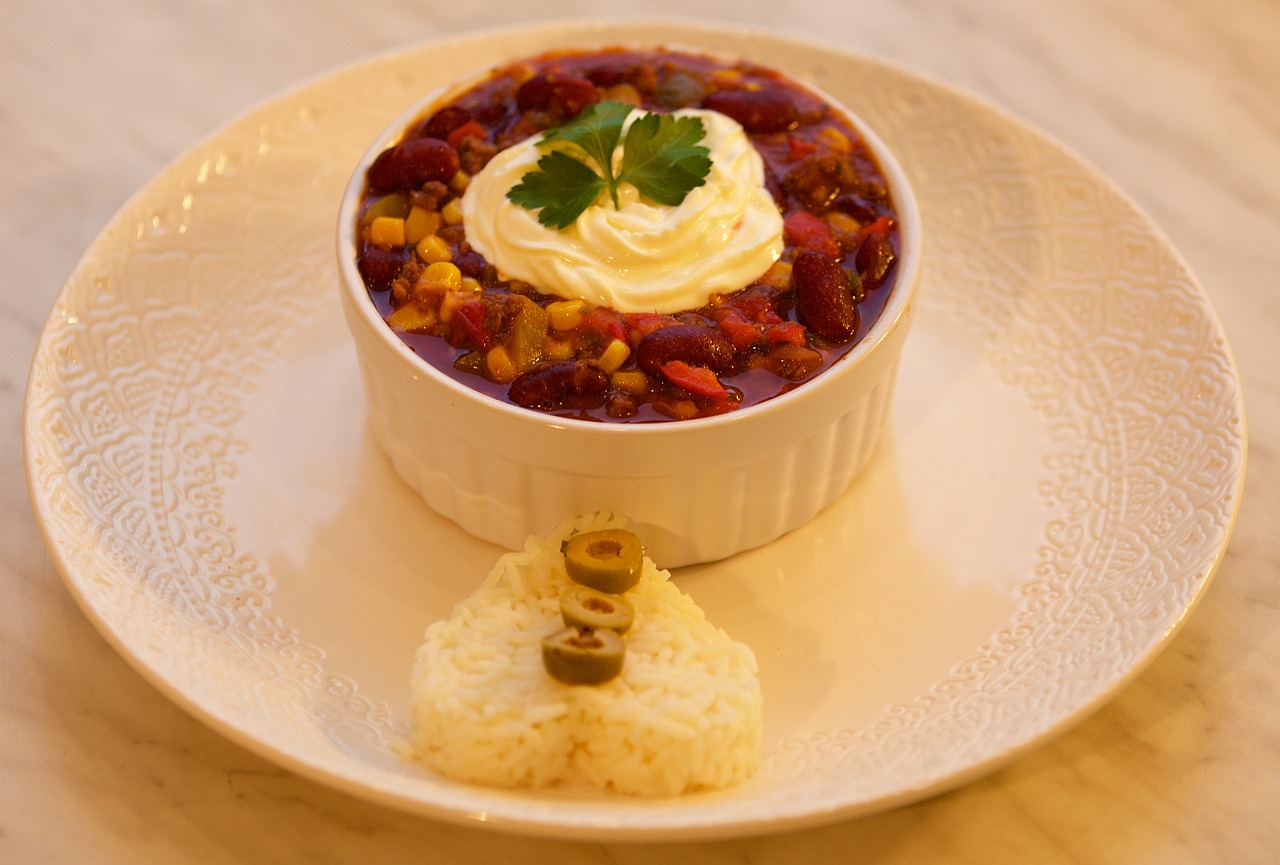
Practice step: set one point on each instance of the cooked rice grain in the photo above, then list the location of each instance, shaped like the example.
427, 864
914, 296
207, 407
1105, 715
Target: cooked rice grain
685, 713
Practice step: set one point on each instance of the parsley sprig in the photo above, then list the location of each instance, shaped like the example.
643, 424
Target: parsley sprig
661, 158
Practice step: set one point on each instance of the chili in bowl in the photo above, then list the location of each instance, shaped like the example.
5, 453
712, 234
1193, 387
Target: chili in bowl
653, 280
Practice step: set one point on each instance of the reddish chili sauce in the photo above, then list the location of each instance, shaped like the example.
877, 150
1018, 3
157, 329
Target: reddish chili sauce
795, 321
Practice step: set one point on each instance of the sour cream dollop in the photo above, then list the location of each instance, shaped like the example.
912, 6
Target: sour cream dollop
640, 256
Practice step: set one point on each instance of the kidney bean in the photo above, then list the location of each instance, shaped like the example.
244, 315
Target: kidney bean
550, 385
444, 121
608, 74
492, 115
855, 205
564, 95
824, 303
875, 254
641, 76
695, 344
379, 266
474, 265
756, 110
410, 164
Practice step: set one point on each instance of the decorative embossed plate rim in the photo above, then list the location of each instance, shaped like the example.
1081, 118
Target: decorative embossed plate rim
1057, 329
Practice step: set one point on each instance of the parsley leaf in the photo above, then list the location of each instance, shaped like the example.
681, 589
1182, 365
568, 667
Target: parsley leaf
596, 130
562, 186
660, 157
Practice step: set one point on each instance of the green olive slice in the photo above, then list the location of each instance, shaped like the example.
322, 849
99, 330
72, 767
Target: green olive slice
585, 607
583, 656
608, 560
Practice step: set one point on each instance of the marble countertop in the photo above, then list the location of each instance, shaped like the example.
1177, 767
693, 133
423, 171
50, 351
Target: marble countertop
1173, 100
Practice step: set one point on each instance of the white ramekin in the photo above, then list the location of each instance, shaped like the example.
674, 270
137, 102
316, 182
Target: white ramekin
694, 490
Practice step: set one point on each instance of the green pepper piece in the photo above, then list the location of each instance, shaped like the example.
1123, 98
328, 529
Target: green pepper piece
529, 335
395, 205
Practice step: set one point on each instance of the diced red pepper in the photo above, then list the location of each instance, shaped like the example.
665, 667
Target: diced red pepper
801, 228
798, 149
641, 324
698, 380
742, 333
881, 227
757, 306
470, 129
606, 321
468, 326
601, 326
790, 333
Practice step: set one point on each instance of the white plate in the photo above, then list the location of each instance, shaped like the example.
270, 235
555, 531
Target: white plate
1057, 487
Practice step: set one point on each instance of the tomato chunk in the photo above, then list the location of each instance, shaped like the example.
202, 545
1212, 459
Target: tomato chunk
698, 380
468, 326
743, 334
801, 228
470, 129
790, 333
797, 149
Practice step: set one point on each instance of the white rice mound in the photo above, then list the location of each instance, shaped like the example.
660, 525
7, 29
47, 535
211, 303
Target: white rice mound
684, 714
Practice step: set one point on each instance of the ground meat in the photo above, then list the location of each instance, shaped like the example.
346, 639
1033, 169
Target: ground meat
475, 153
819, 179
429, 196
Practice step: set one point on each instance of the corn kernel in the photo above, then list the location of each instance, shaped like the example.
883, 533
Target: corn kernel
501, 368
778, 276
559, 349
566, 314
683, 409
613, 355
427, 292
387, 231
623, 92
411, 316
842, 222
433, 248
471, 284
451, 301
633, 381
452, 212
835, 139
459, 182
844, 228
419, 223
442, 273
